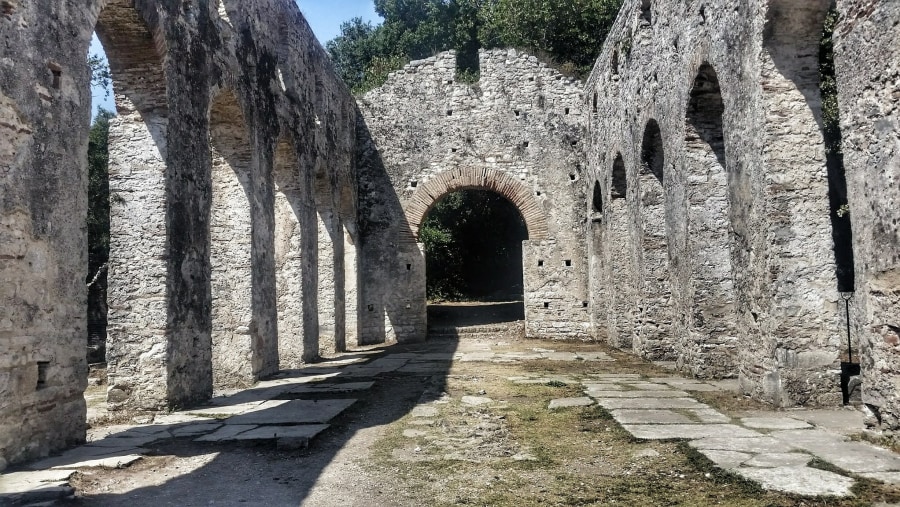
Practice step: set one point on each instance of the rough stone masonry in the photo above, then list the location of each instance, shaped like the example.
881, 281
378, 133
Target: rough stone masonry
676, 202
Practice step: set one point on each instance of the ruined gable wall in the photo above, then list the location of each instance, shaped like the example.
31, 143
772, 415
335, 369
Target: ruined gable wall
161, 348
867, 58
521, 119
759, 182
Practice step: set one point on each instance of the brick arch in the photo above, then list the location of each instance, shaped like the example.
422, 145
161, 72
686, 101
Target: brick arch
427, 195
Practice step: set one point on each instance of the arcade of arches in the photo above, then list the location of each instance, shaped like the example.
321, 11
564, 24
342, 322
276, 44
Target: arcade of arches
677, 204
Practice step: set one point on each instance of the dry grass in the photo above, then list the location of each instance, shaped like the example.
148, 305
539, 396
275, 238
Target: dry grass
578, 456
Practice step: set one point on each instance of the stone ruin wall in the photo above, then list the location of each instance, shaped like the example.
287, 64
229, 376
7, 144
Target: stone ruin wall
705, 144
867, 57
233, 149
517, 131
713, 245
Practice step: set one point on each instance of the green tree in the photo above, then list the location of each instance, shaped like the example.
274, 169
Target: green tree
98, 227
567, 33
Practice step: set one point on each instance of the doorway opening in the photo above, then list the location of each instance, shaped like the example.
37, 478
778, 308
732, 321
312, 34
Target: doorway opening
473, 259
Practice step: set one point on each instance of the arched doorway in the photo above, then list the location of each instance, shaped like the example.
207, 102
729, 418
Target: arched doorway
709, 349
501, 185
655, 340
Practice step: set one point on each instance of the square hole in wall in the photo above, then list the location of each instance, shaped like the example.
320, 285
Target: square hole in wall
572, 177
525, 144
568, 263
540, 262
516, 111
414, 183
567, 110
538, 193
546, 304
584, 304
371, 308
56, 71
43, 367
449, 112
409, 267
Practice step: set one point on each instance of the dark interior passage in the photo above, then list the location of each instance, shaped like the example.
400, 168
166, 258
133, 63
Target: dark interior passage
473, 248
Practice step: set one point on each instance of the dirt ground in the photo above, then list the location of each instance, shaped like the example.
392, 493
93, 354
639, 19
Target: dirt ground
512, 451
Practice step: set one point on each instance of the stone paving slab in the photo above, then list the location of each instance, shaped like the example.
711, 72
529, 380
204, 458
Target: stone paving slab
636, 394
129, 442
424, 411
596, 385
113, 462
757, 444
292, 412
779, 459
886, 477
649, 386
615, 377
225, 409
649, 403
726, 459
83, 453
195, 429
293, 437
227, 432
682, 431
332, 387
33, 487
561, 356
798, 480
583, 401
424, 368
179, 418
710, 415
476, 400
632, 416
774, 423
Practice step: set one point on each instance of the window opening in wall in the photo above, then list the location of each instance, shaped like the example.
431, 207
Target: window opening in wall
594, 108
568, 263
56, 71
619, 178
614, 63
540, 263
572, 176
538, 193
371, 308
841, 230
567, 110
584, 304
517, 112
525, 144
414, 183
546, 304
453, 150
449, 112
646, 14
42, 366
409, 267
597, 203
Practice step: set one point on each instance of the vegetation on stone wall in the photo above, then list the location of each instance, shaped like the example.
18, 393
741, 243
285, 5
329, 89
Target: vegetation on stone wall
837, 181
473, 247
98, 226
567, 34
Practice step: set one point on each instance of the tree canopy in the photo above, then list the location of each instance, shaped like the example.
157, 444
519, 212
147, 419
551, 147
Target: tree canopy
566, 33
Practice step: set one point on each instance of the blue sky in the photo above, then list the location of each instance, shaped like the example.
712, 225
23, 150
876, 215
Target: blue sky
324, 16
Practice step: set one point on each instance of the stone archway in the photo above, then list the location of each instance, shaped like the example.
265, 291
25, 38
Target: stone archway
430, 193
